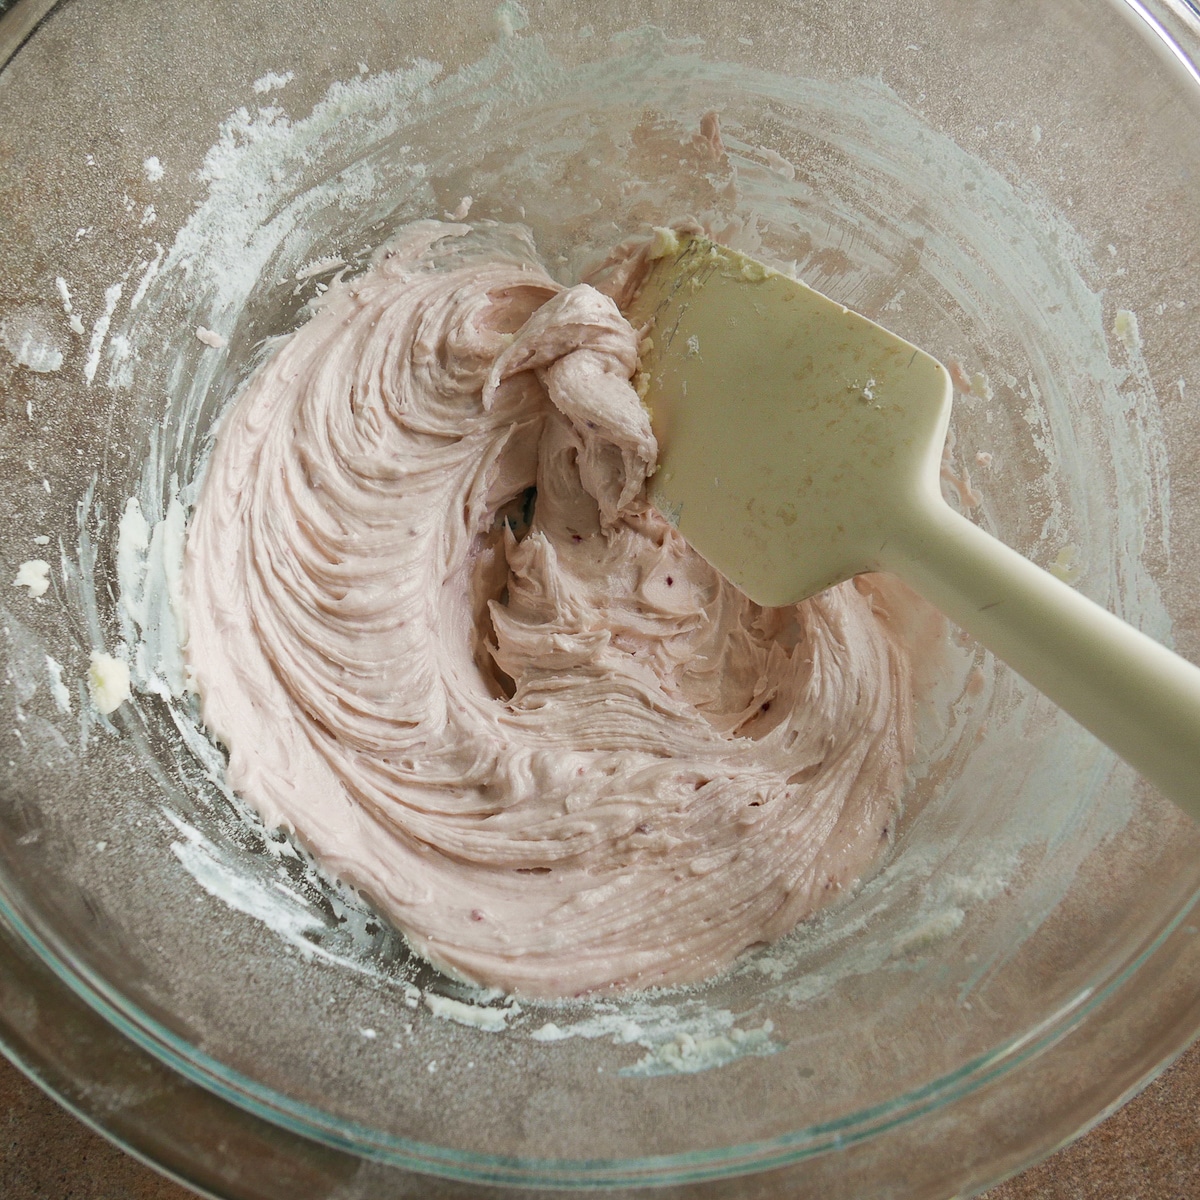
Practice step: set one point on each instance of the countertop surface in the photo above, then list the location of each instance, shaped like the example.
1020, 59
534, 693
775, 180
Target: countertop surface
1149, 1150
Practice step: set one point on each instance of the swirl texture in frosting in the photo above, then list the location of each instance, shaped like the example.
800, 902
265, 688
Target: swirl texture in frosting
545, 737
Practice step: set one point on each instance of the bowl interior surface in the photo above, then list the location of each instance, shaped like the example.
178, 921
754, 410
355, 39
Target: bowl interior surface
1007, 185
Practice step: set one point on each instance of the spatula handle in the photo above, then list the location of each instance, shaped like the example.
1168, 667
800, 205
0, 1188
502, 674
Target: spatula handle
1135, 695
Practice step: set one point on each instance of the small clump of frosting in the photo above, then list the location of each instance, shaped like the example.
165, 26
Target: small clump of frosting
449, 643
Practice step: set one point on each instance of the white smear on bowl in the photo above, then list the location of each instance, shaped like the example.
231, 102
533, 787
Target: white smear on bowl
288, 913
108, 682
150, 579
29, 337
685, 1054
210, 338
1126, 331
282, 908
112, 295
934, 929
272, 81
34, 575
149, 270
319, 267
59, 691
492, 1020
681, 1037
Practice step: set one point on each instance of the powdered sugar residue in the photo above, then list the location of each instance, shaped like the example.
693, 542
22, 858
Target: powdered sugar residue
34, 575
112, 294
29, 337
284, 193
272, 81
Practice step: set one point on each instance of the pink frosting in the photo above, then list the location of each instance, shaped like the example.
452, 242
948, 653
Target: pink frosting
560, 758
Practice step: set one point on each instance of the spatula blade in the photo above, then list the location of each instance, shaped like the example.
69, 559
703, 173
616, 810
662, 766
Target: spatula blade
791, 429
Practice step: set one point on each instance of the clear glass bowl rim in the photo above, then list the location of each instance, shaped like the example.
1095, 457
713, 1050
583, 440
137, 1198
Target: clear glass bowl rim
1175, 24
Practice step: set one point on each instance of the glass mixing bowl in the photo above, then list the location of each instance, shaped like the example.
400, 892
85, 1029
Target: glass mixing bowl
1011, 185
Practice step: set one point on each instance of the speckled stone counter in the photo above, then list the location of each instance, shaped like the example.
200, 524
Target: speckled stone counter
1150, 1150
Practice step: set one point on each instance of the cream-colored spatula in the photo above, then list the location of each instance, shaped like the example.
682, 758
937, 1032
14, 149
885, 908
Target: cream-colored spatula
801, 444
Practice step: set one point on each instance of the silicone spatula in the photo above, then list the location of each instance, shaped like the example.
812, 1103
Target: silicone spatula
801, 444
